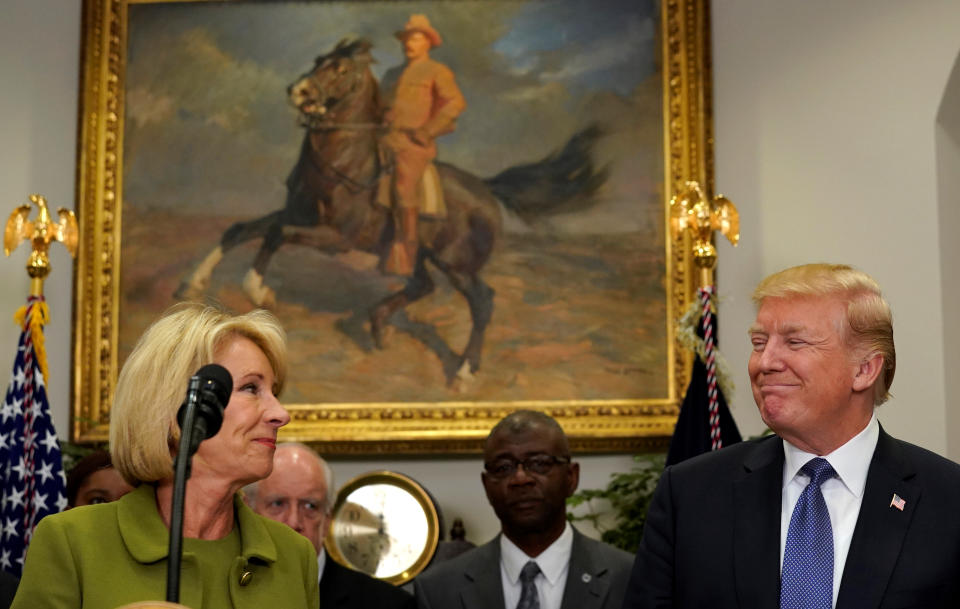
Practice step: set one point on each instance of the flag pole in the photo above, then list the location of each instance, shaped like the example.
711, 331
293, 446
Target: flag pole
41, 232
31, 466
697, 216
693, 213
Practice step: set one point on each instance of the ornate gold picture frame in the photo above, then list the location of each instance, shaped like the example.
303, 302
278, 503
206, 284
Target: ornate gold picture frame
138, 185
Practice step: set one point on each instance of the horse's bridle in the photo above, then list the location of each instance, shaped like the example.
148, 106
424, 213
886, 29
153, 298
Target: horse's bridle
314, 122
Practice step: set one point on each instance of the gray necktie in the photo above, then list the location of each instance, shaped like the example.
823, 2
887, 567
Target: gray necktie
528, 590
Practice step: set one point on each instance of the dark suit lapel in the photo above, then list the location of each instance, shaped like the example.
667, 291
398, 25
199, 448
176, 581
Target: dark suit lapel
585, 587
485, 587
881, 527
756, 526
333, 592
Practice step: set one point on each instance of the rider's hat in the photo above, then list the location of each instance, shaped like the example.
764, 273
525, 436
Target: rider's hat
420, 23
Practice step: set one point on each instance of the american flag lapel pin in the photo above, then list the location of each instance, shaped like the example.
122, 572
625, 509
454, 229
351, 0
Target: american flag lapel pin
898, 502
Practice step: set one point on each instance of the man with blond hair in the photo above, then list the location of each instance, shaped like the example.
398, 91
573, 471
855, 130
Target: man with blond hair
829, 512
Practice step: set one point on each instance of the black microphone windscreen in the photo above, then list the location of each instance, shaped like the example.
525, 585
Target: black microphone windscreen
217, 379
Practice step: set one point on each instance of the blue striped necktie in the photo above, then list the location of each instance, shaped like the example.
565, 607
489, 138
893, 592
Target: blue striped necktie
807, 578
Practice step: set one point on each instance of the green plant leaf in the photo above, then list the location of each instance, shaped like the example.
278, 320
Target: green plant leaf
627, 498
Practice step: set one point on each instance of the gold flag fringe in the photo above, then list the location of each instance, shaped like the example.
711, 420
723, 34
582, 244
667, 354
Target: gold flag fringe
687, 327
41, 315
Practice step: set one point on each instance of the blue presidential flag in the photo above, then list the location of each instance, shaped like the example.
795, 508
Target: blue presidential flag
31, 467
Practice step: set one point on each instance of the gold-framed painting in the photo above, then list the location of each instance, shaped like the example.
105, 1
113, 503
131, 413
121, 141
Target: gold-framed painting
581, 120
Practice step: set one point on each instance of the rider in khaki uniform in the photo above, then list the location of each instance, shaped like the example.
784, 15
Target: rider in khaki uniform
425, 104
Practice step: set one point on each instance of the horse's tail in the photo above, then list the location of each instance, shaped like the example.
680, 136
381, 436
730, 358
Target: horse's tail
562, 182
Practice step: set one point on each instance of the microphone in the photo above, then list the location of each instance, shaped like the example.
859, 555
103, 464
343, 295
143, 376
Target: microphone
208, 392
200, 417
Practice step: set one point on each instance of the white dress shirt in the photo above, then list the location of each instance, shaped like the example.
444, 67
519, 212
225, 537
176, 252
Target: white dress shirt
321, 563
843, 494
554, 563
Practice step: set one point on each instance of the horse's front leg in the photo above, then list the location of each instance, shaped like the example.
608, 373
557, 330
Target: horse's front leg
194, 287
323, 238
239, 232
253, 286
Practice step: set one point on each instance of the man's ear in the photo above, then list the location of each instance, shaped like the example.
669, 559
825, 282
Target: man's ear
485, 481
574, 479
867, 372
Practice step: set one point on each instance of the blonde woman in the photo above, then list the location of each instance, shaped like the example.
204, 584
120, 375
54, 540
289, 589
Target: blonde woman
104, 556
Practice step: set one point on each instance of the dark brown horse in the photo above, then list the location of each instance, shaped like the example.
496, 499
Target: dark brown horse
331, 199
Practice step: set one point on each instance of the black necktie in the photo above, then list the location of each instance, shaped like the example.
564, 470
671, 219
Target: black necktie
528, 590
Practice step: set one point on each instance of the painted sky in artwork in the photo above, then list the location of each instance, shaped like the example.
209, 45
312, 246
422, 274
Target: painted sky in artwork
208, 128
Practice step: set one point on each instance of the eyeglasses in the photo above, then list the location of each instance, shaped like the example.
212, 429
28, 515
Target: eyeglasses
540, 465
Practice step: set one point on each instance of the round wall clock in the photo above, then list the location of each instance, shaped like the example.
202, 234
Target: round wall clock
385, 525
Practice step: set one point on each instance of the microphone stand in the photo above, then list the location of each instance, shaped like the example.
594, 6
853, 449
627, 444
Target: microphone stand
181, 472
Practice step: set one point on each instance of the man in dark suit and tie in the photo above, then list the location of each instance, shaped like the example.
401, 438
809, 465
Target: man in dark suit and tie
299, 494
539, 561
832, 512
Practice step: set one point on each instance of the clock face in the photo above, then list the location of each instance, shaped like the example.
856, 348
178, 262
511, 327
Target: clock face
385, 525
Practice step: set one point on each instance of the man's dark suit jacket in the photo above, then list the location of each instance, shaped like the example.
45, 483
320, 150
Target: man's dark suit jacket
8, 589
343, 588
712, 536
596, 579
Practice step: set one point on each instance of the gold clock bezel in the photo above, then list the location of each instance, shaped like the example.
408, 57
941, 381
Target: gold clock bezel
411, 487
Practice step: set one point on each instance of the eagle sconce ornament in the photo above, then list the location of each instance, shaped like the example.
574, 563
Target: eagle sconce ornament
691, 210
40, 232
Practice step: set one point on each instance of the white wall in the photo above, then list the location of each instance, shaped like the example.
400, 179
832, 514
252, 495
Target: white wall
39, 81
948, 181
825, 129
825, 115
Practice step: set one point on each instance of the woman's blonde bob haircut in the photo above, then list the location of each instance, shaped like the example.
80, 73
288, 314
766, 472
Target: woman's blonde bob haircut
153, 382
869, 324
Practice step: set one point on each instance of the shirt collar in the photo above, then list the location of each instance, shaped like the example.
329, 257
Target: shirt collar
851, 461
552, 562
321, 562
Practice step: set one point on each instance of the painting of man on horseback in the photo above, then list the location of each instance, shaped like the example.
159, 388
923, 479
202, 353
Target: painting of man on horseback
537, 260
332, 193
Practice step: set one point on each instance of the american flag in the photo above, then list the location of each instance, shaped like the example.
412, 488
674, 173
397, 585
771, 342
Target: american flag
898, 502
31, 468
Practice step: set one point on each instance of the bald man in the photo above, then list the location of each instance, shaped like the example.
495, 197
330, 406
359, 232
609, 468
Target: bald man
297, 494
539, 560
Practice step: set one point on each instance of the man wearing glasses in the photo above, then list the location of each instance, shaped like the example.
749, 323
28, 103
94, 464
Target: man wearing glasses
539, 561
